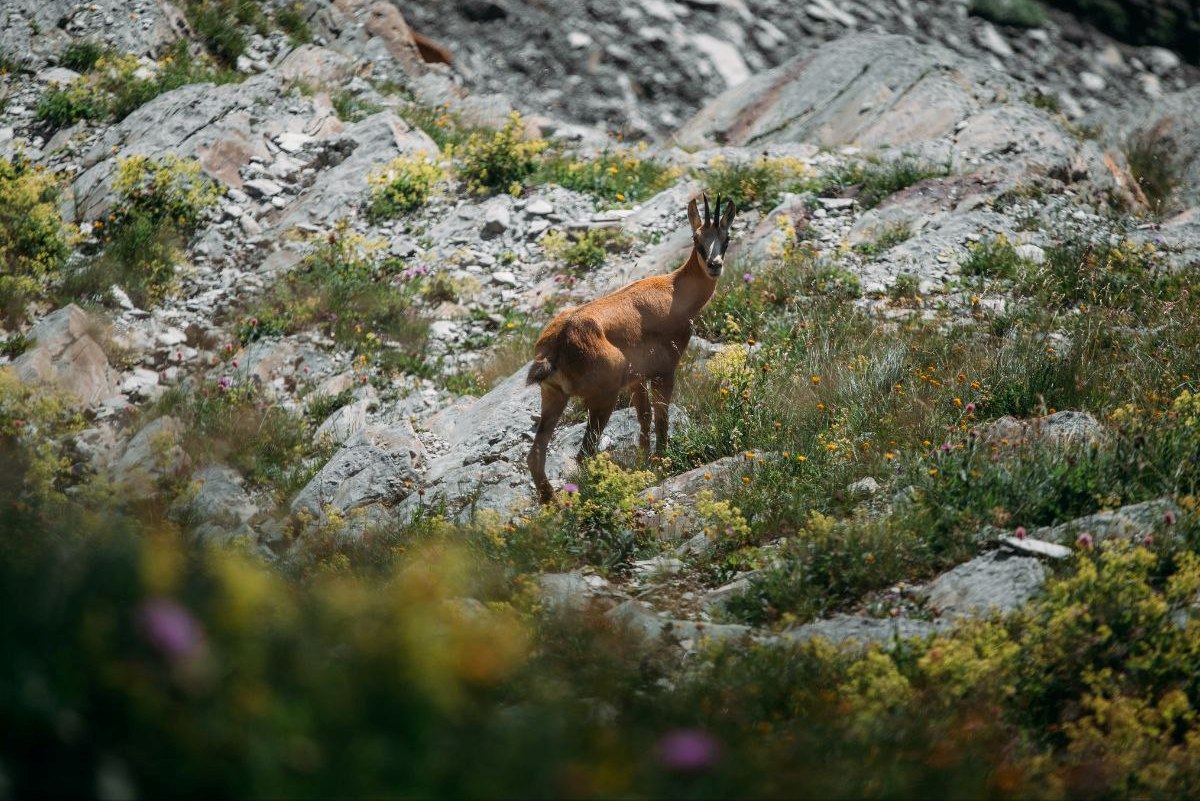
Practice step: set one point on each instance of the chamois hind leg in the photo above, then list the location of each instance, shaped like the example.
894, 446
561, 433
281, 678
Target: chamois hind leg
553, 404
662, 386
598, 414
641, 402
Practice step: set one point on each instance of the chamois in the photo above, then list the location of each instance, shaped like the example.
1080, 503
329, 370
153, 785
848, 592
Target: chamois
624, 340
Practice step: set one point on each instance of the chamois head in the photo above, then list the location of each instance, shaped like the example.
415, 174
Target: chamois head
711, 234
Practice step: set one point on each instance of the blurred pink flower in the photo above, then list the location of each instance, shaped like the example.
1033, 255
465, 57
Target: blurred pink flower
688, 750
571, 488
1020, 532
170, 628
1169, 517
1084, 540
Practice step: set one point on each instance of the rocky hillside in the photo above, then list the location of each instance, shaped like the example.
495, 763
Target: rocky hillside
270, 275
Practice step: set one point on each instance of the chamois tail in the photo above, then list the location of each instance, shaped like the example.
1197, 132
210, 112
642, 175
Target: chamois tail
542, 368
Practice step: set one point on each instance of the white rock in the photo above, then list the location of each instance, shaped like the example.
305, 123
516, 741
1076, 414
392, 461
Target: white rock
1161, 60
57, 75
1031, 253
864, 486
291, 142
262, 188
539, 206
991, 39
496, 219
725, 58
504, 277
578, 39
1092, 82
1036, 547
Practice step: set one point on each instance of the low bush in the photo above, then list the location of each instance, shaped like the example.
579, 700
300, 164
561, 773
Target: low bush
617, 176
161, 204
404, 185
759, 183
82, 55
589, 250
871, 182
500, 160
365, 302
34, 245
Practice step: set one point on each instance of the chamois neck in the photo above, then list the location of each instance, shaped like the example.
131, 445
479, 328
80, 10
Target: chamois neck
693, 285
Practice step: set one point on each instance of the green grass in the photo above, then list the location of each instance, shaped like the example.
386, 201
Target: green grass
352, 108
759, 183
81, 55
1155, 165
366, 304
615, 177
291, 20
1017, 13
870, 183
887, 239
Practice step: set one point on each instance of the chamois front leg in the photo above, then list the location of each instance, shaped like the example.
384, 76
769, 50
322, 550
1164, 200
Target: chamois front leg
553, 404
641, 402
662, 386
598, 414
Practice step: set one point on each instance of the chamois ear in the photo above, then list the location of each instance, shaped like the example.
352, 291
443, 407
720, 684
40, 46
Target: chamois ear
694, 215
727, 219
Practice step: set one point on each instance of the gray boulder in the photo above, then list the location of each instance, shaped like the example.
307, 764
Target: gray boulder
994, 582
219, 506
154, 454
639, 618
377, 465
1133, 522
854, 631
868, 89
67, 355
1061, 429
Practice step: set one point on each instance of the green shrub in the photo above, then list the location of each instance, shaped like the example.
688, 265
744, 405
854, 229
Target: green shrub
81, 55
1155, 165
872, 182
292, 21
351, 107
403, 186
500, 160
589, 250
887, 239
616, 176
61, 106
112, 90
759, 183
994, 258
218, 25
35, 424
1018, 13
161, 204
364, 302
33, 241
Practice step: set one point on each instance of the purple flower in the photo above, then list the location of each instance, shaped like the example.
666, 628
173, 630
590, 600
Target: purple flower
945, 447
1169, 517
688, 750
224, 383
170, 628
1084, 540
571, 488
748, 278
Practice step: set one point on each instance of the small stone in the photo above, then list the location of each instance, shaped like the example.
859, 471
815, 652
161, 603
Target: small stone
1031, 253
1161, 60
505, 277
991, 39
262, 188
1032, 547
171, 337
863, 487
249, 225
1092, 82
578, 39
496, 219
539, 207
